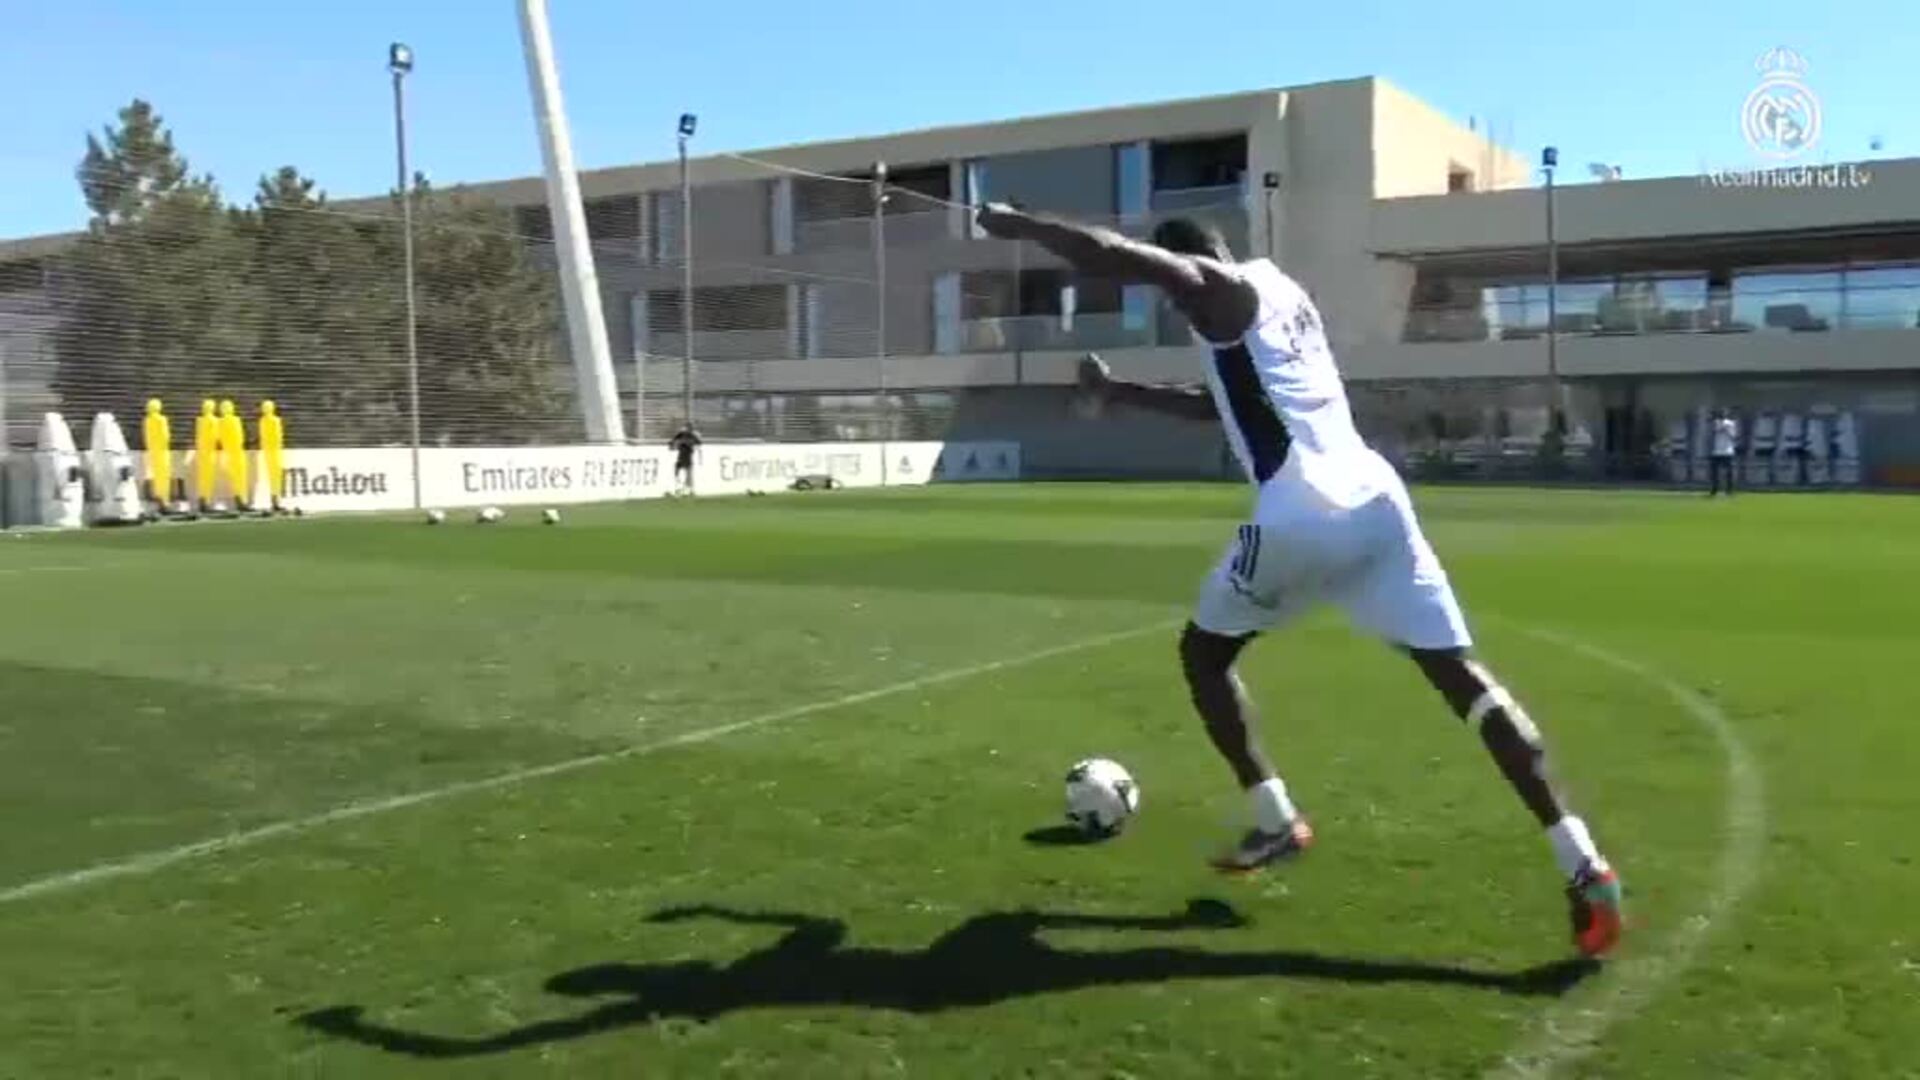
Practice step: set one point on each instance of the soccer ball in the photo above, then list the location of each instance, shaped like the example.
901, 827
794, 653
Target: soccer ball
490, 515
1101, 796
550, 516
436, 517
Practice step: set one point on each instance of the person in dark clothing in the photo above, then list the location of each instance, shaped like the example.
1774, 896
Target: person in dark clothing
684, 444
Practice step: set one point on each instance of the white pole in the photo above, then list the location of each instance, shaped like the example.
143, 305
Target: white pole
400, 62
579, 286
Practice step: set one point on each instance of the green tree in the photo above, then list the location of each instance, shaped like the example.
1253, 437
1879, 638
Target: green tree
171, 294
156, 304
329, 350
492, 361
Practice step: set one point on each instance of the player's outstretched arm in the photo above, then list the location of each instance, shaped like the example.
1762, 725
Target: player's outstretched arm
1215, 299
1186, 402
1095, 250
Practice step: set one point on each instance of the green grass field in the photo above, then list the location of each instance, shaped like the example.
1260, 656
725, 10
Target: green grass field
849, 714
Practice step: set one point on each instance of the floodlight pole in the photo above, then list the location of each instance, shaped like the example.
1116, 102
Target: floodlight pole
1549, 160
400, 63
688, 123
880, 305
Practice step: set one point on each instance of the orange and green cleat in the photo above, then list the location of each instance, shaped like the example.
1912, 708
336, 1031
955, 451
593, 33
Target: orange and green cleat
1256, 849
1594, 897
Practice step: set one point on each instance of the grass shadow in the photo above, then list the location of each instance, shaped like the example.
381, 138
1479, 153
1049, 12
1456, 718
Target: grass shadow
989, 958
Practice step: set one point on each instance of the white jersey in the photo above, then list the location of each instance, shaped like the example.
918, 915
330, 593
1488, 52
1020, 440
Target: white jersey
1725, 434
1332, 522
1284, 407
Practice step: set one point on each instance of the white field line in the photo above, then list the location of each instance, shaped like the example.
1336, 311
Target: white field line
1568, 1031
152, 861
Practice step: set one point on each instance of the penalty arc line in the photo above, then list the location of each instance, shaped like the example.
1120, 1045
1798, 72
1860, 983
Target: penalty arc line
1563, 1034
1566, 1032
150, 862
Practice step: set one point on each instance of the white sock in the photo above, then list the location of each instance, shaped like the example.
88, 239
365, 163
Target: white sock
1272, 811
1573, 847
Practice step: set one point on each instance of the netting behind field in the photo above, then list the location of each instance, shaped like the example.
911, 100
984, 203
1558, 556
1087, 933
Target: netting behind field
173, 295
812, 316
820, 312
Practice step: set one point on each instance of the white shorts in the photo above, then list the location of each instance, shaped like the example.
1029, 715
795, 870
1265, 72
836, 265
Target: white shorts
1371, 561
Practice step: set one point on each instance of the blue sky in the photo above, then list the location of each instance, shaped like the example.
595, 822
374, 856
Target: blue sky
1655, 87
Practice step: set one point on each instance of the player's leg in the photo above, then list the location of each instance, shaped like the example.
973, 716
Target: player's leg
1406, 599
1514, 742
1238, 601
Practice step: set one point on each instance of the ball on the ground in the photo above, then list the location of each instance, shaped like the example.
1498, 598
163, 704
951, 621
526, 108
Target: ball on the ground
550, 516
489, 515
1101, 796
436, 517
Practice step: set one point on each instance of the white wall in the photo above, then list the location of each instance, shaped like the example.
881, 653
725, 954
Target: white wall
363, 479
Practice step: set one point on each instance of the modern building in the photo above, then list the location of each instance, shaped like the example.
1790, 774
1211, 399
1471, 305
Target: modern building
1789, 296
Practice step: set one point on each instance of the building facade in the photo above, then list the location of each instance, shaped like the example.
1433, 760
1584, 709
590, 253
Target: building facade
1793, 299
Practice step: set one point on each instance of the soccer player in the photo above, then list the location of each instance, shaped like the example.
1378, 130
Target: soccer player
684, 443
1723, 438
1332, 522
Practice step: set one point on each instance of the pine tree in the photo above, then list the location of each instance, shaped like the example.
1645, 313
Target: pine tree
492, 360
329, 349
173, 295
154, 301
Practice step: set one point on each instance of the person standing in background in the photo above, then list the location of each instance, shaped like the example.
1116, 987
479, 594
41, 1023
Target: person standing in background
684, 444
1723, 441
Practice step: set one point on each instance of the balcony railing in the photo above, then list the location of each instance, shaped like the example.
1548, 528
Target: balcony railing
840, 234
1044, 333
1584, 310
725, 344
1190, 200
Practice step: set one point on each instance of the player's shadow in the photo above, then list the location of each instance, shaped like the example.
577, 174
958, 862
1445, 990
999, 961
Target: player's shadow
989, 958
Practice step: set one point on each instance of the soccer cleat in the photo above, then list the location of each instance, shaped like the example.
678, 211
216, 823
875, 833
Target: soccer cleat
1594, 899
1256, 849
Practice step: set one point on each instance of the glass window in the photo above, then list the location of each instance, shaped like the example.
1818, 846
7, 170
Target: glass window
740, 307
917, 190
812, 318
1134, 198
1883, 297
977, 194
615, 218
1577, 306
1639, 305
1042, 292
1136, 307
1215, 162
946, 313
1786, 300
1679, 303
664, 209
663, 311
1518, 310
